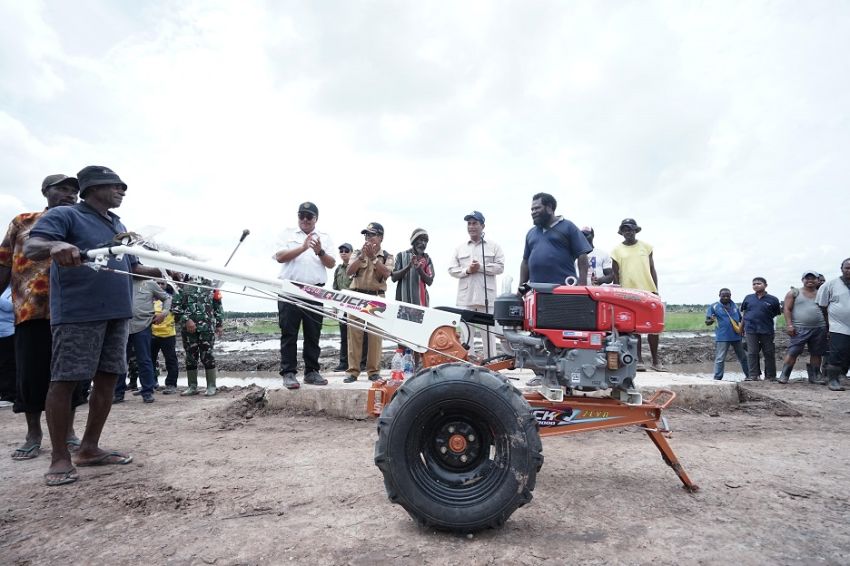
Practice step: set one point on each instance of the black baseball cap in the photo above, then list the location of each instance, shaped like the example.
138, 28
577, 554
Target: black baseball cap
95, 175
58, 179
373, 227
309, 207
347, 247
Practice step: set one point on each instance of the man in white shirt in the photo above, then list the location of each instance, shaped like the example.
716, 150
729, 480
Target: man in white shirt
600, 269
475, 264
305, 255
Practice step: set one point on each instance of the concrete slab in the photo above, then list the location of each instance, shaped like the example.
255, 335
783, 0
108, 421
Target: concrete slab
348, 400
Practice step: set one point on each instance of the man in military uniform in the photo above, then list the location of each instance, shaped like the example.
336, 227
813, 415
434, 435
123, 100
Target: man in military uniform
198, 312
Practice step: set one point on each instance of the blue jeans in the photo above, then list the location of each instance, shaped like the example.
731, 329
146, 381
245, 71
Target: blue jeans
720, 350
140, 345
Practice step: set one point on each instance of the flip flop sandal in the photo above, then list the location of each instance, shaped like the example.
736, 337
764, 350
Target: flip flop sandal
60, 478
73, 444
26, 453
107, 459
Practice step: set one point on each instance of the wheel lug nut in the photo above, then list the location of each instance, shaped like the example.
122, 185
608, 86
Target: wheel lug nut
443, 449
463, 458
451, 430
471, 438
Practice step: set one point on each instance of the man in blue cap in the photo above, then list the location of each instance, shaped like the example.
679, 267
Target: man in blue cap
90, 313
475, 264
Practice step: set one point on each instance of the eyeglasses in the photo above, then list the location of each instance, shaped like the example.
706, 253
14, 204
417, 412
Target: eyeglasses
368, 235
306, 216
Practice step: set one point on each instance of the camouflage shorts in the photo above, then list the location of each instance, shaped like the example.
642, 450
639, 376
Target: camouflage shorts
82, 349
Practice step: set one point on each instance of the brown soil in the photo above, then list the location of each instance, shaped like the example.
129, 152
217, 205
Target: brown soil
225, 481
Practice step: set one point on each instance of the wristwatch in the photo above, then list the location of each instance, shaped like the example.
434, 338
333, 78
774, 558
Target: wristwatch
321, 253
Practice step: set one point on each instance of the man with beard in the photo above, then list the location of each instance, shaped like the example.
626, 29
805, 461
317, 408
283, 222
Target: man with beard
417, 272
553, 247
834, 300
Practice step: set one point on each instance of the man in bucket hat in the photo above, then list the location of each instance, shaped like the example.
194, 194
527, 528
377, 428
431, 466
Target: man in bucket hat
30, 283
634, 268
90, 313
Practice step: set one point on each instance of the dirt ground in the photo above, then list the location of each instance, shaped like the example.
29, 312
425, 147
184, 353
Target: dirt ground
225, 481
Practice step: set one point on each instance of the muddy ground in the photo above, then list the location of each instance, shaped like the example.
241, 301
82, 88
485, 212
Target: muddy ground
226, 481
696, 349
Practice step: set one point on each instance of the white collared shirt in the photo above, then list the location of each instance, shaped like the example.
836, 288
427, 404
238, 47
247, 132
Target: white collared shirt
470, 286
306, 267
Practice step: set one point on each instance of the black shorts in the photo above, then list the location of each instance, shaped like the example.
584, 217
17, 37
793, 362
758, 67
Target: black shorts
33, 349
82, 349
815, 338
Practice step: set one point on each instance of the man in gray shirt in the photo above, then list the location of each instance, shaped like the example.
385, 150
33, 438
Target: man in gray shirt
145, 291
806, 325
834, 299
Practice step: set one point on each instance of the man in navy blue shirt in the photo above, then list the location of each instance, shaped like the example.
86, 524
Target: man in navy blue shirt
554, 247
89, 316
759, 310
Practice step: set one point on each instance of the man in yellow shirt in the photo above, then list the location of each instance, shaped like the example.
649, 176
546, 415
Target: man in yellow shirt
164, 339
634, 268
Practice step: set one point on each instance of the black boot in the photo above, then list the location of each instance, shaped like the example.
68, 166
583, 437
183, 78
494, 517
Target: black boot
785, 374
833, 374
820, 378
810, 371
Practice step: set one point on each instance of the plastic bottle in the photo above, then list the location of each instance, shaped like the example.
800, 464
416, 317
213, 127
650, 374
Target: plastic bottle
407, 365
397, 365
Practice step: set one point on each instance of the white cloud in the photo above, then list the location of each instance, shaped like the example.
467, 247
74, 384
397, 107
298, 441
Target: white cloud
720, 127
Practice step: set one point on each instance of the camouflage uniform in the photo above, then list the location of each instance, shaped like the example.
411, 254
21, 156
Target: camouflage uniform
203, 306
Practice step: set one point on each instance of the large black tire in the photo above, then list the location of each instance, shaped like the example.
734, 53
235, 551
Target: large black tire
459, 448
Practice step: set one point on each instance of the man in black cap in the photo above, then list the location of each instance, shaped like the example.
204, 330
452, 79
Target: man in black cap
90, 312
475, 264
634, 267
305, 254
30, 282
343, 281
369, 271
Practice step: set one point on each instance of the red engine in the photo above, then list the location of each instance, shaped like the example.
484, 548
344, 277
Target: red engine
579, 317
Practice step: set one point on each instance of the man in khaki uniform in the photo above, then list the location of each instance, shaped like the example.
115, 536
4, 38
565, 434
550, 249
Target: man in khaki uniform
369, 270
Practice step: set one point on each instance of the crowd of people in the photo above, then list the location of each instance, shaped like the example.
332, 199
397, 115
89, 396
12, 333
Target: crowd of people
70, 335
817, 318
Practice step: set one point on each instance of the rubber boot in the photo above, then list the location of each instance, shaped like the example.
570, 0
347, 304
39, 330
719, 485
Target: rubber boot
192, 377
820, 378
810, 371
211, 374
833, 374
785, 374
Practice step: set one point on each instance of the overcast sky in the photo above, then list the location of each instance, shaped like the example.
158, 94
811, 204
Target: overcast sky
722, 127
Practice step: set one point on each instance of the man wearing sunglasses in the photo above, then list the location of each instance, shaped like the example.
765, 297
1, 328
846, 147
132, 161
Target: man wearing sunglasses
305, 255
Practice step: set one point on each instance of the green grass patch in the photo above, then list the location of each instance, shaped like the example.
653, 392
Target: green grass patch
695, 321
